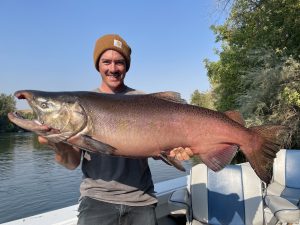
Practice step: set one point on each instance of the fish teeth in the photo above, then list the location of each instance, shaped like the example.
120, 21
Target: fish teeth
38, 122
18, 115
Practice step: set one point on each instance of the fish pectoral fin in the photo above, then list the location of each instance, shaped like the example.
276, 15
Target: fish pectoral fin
89, 144
169, 96
218, 159
172, 161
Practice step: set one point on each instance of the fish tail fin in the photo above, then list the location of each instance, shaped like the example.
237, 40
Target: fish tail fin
267, 141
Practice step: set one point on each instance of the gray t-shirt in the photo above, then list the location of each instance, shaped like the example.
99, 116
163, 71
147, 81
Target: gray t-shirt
117, 179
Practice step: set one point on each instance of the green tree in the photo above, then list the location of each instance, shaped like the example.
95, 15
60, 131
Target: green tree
251, 26
7, 104
274, 94
258, 67
202, 99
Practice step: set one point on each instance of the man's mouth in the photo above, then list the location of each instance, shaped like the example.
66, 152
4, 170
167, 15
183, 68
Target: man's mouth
114, 77
114, 74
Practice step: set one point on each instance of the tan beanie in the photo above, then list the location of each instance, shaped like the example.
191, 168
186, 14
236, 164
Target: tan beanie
113, 42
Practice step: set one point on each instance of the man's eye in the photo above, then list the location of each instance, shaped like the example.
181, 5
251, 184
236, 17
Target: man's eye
44, 105
120, 63
106, 62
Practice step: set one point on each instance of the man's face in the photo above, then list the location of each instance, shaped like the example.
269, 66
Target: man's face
112, 67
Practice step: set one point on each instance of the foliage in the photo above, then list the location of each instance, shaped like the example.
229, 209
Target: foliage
252, 25
258, 67
7, 104
27, 114
202, 99
274, 94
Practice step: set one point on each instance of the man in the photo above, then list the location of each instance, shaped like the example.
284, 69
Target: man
114, 190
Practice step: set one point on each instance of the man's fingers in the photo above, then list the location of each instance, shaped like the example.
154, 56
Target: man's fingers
43, 140
188, 151
181, 153
175, 151
185, 156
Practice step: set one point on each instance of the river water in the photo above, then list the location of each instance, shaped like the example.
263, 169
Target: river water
31, 182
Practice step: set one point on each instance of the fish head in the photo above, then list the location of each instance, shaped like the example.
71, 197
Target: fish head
58, 115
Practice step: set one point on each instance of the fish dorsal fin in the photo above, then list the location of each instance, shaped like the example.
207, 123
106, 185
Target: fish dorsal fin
171, 96
236, 116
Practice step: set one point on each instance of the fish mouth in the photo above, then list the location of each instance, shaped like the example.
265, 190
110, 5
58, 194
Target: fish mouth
27, 124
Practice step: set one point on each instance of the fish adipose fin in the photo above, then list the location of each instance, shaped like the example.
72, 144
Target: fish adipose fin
273, 137
217, 160
171, 161
170, 96
89, 144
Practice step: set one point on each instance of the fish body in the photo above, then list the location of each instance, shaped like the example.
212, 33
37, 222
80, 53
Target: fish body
147, 125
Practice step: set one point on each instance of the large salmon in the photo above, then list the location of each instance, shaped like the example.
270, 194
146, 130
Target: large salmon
147, 125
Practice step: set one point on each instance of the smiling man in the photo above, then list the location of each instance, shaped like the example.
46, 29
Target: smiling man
114, 190
112, 60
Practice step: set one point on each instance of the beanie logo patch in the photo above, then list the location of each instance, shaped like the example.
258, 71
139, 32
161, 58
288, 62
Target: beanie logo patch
117, 43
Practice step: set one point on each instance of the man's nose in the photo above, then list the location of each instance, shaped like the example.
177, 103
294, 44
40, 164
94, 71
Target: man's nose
113, 67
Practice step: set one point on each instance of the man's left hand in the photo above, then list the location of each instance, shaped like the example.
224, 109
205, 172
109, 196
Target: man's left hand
181, 153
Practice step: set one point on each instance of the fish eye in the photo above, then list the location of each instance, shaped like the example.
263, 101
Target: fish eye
44, 105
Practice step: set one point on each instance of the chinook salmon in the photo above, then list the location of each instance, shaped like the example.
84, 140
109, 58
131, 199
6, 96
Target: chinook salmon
148, 125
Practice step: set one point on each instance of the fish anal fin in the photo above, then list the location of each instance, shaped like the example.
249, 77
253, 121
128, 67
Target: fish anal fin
169, 96
172, 161
218, 159
89, 144
235, 116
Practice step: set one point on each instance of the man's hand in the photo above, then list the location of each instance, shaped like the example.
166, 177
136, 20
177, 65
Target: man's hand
43, 140
181, 153
65, 154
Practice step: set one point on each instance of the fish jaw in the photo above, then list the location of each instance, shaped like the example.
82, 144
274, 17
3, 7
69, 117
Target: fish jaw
31, 125
24, 95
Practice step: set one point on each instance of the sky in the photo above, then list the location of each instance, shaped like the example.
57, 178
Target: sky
48, 45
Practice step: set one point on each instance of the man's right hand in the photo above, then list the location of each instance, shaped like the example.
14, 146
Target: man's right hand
65, 154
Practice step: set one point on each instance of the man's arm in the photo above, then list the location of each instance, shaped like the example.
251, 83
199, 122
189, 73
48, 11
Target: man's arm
65, 155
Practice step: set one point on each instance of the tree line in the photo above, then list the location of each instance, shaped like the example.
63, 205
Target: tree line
8, 104
258, 70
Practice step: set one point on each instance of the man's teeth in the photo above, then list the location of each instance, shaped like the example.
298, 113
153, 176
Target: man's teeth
114, 75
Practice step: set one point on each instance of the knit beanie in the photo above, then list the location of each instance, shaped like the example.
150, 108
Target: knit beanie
111, 42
